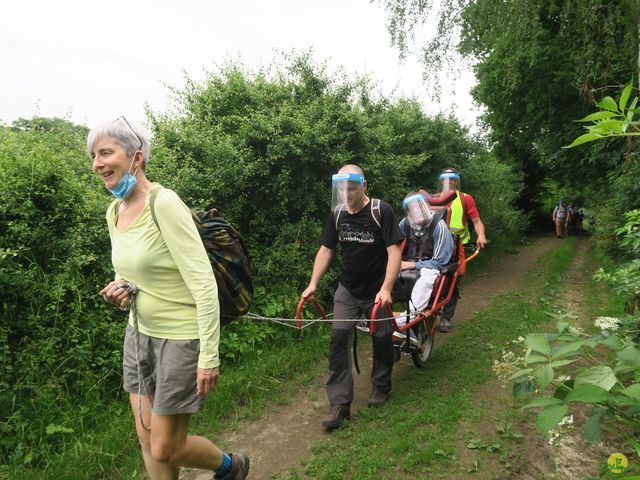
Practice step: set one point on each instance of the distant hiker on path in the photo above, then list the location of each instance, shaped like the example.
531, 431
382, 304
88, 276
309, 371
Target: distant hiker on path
560, 216
369, 239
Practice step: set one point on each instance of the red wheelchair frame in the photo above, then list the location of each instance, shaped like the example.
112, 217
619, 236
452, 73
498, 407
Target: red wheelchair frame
425, 322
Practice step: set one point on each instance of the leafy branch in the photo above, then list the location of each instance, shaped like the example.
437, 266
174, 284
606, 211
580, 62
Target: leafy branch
615, 119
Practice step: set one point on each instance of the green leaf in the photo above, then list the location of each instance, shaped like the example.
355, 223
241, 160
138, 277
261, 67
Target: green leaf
633, 391
523, 388
597, 116
475, 444
532, 358
592, 428
520, 373
544, 402
612, 342
52, 429
538, 342
563, 390
551, 416
565, 337
561, 363
629, 356
631, 110
606, 127
626, 93
544, 376
600, 375
567, 348
608, 103
587, 393
587, 137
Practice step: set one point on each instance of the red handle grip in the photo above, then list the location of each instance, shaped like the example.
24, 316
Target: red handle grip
301, 303
374, 315
444, 199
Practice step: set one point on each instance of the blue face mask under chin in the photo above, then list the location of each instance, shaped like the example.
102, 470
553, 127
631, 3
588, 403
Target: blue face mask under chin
125, 185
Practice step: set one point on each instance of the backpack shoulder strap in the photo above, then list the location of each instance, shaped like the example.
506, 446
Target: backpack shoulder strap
375, 211
152, 200
113, 210
336, 214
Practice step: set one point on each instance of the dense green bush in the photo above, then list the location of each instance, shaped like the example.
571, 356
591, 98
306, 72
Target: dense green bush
59, 344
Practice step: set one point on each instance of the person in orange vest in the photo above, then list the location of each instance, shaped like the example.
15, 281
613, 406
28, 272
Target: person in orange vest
463, 209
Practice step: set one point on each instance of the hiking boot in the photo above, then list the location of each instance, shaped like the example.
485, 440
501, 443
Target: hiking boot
377, 399
445, 326
239, 467
337, 415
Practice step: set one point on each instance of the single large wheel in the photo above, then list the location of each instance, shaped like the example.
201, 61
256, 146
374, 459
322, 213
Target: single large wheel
425, 344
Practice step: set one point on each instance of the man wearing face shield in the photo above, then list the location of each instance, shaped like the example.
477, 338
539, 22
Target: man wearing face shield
428, 249
369, 239
463, 209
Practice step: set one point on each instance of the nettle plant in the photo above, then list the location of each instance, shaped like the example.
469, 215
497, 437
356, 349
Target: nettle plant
572, 367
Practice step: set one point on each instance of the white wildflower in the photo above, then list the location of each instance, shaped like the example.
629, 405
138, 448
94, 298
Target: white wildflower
564, 378
520, 339
568, 420
576, 330
553, 436
607, 323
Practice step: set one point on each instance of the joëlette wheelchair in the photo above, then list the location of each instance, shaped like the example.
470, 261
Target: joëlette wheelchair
420, 327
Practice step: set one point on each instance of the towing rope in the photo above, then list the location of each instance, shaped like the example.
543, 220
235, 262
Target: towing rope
306, 322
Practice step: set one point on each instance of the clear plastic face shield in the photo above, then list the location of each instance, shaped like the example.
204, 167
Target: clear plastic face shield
347, 191
449, 181
417, 212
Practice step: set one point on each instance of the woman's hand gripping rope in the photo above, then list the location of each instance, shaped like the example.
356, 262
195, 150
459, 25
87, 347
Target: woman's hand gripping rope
117, 293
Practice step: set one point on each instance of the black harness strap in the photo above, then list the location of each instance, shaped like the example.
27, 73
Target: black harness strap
355, 352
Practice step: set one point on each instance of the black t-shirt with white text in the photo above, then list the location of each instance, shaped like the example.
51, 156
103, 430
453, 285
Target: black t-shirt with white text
363, 247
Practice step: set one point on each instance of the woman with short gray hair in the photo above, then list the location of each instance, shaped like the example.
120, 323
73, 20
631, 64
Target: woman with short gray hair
162, 271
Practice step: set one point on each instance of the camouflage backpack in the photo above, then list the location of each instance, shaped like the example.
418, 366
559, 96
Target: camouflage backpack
228, 259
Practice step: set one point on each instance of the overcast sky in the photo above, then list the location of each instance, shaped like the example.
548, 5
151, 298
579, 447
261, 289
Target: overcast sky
93, 61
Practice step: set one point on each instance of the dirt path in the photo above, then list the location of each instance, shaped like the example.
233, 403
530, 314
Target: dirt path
285, 433
533, 457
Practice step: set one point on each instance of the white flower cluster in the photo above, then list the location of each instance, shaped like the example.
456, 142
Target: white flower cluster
565, 424
577, 331
607, 323
568, 420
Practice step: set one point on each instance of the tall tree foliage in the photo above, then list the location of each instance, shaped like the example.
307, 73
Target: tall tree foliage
539, 66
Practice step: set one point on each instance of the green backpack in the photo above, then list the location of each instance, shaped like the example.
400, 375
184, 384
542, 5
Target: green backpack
228, 258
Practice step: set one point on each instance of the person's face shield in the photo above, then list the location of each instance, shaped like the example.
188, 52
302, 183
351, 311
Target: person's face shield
449, 181
347, 190
417, 212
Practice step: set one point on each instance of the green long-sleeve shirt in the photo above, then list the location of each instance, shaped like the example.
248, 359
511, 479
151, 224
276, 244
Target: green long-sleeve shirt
178, 296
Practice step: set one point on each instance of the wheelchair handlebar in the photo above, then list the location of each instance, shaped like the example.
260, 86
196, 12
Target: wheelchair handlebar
475, 253
374, 315
301, 303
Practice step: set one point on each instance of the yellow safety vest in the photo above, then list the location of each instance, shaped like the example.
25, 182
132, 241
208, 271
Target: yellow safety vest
458, 223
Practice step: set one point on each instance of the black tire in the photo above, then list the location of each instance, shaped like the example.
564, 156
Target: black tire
425, 344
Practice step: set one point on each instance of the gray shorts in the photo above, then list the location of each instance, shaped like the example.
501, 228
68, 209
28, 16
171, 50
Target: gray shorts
169, 370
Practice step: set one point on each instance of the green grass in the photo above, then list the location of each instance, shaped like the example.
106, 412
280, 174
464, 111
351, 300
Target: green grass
414, 435
273, 376
112, 451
